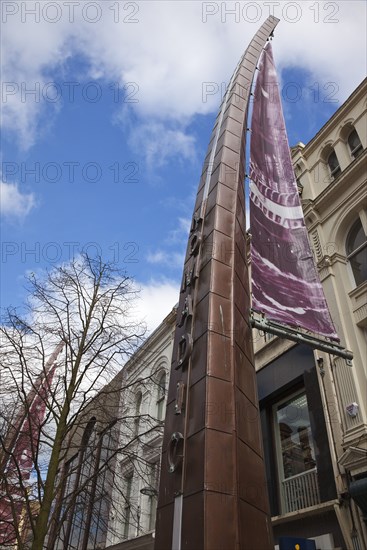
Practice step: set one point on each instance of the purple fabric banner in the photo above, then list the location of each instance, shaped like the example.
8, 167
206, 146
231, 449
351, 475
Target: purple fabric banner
285, 283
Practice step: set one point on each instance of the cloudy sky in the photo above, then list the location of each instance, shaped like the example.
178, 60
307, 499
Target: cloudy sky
107, 109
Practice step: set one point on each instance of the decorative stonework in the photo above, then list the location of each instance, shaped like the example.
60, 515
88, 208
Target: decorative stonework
354, 460
347, 392
359, 304
316, 244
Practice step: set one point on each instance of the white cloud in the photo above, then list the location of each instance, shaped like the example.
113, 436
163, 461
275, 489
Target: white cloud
13, 203
179, 234
172, 260
32, 51
173, 255
160, 143
169, 52
184, 225
156, 300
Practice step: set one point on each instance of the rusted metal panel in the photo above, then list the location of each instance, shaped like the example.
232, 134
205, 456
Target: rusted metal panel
212, 489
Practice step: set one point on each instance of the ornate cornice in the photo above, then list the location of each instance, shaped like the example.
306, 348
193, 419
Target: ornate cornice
354, 459
334, 191
336, 119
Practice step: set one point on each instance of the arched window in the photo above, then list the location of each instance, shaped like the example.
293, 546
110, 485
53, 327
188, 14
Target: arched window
355, 144
86, 500
154, 483
88, 431
127, 506
78, 491
357, 252
333, 164
162, 381
138, 400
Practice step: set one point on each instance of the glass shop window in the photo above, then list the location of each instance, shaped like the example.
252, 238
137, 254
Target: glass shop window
296, 453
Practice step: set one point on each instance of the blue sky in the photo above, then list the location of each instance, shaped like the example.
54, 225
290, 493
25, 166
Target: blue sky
105, 155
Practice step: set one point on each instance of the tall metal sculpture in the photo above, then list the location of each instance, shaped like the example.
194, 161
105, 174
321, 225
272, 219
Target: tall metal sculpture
213, 492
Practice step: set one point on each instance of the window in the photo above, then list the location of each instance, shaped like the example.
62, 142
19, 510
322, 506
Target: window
69, 485
138, 400
86, 493
333, 164
88, 431
154, 480
294, 432
295, 454
357, 252
355, 144
162, 381
127, 507
99, 504
78, 512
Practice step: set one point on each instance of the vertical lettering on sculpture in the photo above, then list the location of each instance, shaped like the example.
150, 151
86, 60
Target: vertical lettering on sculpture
189, 276
185, 343
184, 350
180, 397
186, 312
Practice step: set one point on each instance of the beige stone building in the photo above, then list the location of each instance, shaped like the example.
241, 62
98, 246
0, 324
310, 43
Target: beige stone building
143, 406
332, 168
110, 472
313, 405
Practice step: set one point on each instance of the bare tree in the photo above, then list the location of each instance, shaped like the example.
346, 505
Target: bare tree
63, 351
96, 505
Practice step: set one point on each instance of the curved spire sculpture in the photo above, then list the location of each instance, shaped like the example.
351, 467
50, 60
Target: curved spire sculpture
213, 492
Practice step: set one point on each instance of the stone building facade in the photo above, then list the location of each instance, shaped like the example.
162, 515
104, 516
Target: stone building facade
313, 405
142, 405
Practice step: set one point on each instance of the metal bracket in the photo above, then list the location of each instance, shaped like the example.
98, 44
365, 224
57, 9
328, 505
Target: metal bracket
296, 336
